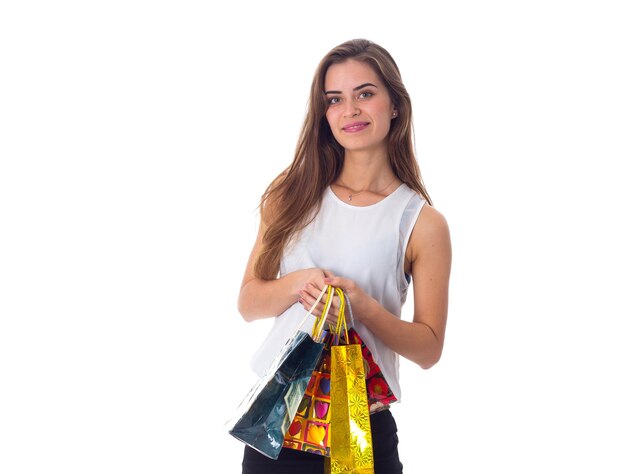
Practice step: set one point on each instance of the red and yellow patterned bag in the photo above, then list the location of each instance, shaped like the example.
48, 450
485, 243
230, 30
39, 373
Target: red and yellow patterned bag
310, 429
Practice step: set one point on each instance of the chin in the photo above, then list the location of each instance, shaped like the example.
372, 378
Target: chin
353, 145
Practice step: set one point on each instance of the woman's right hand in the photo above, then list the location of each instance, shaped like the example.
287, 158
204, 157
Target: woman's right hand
309, 284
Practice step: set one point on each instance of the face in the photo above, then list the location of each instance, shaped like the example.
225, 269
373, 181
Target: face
359, 107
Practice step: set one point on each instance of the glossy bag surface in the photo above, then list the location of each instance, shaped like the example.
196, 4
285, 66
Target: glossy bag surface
352, 449
379, 393
269, 408
310, 429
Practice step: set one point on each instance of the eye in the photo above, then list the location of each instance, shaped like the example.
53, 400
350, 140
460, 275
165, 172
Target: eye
333, 100
365, 95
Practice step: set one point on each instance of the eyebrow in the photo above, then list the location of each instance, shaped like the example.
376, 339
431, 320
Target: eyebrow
357, 88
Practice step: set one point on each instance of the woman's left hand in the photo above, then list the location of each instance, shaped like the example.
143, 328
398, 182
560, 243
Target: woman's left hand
360, 302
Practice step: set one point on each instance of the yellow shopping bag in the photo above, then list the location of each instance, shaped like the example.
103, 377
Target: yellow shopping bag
352, 450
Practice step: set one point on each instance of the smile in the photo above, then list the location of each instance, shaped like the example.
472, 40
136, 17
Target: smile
355, 127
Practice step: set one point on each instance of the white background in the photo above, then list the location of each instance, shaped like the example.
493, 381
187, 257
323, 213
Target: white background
135, 141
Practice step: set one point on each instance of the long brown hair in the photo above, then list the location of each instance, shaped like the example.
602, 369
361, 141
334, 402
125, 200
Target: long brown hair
294, 196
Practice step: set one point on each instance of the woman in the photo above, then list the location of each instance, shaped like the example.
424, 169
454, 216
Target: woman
351, 211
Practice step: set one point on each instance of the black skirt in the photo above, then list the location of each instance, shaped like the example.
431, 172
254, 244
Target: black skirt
290, 461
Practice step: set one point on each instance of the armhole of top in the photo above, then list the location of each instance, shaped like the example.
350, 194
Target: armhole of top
409, 219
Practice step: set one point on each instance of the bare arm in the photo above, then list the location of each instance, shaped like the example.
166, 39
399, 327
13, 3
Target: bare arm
259, 298
428, 259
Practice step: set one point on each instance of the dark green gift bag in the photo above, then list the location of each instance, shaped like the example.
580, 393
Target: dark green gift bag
271, 405
269, 408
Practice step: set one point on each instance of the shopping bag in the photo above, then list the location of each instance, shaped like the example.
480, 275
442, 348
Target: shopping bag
352, 449
266, 412
310, 429
379, 393
272, 403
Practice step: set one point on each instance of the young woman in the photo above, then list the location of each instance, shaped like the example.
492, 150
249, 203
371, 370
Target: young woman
351, 211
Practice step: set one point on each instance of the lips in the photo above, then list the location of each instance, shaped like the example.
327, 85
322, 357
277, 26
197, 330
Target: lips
355, 127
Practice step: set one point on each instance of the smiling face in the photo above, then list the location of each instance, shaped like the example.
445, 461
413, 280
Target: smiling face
359, 107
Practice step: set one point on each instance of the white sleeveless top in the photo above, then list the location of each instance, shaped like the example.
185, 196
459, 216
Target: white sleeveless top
365, 244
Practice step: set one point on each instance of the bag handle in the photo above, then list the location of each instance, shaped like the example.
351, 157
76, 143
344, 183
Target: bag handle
341, 318
316, 333
319, 323
335, 329
319, 298
351, 325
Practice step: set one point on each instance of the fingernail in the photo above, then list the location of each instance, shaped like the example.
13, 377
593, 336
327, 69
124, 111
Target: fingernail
327, 280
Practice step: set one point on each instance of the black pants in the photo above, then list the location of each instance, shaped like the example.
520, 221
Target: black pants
290, 461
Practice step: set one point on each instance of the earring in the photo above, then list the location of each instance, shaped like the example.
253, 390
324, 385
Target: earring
394, 114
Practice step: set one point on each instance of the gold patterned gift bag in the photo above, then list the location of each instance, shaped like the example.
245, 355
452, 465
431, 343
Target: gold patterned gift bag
351, 434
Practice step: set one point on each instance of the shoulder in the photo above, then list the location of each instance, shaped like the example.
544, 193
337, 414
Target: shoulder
431, 230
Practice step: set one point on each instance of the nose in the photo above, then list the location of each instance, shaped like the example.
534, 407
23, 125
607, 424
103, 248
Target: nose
351, 109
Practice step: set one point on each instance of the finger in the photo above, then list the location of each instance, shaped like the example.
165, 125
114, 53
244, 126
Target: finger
316, 312
339, 282
311, 291
308, 301
328, 313
313, 301
314, 291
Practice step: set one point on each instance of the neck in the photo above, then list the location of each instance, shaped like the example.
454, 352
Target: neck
366, 171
